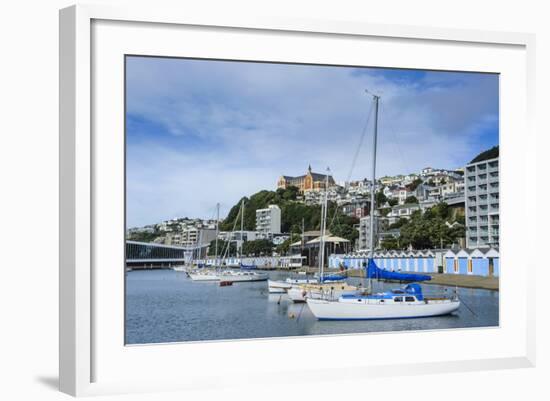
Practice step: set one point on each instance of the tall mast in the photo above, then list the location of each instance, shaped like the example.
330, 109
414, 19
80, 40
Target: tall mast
373, 187
323, 229
242, 225
217, 231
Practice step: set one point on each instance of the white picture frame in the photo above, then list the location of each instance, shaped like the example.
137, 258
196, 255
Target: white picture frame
84, 349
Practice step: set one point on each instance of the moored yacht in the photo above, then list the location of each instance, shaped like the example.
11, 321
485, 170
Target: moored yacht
328, 290
240, 276
406, 303
281, 286
204, 275
396, 304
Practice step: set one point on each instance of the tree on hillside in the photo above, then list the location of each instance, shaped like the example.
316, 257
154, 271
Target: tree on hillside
413, 185
285, 246
486, 155
222, 246
390, 243
429, 229
380, 198
411, 199
259, 247
399, 223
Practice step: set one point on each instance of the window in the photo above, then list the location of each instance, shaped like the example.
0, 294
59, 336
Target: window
398, 299
410, 299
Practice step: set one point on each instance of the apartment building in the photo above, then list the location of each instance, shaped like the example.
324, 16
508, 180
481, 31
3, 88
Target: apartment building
268, 221
481, 181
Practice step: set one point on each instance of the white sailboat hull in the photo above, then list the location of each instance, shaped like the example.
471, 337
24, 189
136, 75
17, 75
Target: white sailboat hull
277, 287
203, 276
360, 310
243, 276
299, 293
280, 287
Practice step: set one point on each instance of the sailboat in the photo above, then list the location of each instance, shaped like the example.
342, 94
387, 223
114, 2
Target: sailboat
209, 274
331, 286
228, 275
408, 302
242, 265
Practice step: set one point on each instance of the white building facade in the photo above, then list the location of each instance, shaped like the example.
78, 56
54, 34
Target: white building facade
481, 181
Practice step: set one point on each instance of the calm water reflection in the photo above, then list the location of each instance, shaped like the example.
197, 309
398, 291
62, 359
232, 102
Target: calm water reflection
166, 306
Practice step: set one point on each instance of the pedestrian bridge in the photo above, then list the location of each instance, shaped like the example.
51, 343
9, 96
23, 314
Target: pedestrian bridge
149, 255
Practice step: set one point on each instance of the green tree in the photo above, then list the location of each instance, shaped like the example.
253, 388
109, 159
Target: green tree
222, 248
399, 223
413, 185
392, 202
429, 230
411, 199
284, 248
144, 236
259, 247
389, 243
486, 155
380, 198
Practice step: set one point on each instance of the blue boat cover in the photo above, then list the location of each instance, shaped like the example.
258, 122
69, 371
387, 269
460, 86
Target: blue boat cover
373, 271
248, 267
414, 289
333, 277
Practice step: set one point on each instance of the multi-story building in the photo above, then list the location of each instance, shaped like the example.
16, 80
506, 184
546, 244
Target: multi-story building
481, 181
268, 221
380, 225
310, 181
191, 236
402, 211
356, 208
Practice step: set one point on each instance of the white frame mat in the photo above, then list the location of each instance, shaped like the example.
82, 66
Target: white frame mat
93, 358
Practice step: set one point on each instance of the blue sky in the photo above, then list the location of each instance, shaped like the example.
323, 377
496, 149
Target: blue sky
202, 131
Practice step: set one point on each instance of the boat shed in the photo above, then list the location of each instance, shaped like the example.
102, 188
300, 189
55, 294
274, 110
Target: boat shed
477, 262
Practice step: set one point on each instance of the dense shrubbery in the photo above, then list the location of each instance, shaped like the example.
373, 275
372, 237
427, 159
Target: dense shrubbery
427, 230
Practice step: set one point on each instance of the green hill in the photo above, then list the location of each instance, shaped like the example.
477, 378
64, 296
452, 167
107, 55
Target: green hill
486, 155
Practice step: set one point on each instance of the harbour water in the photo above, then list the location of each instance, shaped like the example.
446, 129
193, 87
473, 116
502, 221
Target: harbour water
166, 306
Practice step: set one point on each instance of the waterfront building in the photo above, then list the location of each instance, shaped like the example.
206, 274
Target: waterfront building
421, 261
268, 221
144, 255
477, 262
482, 203
310, 181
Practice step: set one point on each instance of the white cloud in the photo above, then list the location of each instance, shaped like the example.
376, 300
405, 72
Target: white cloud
257, 121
